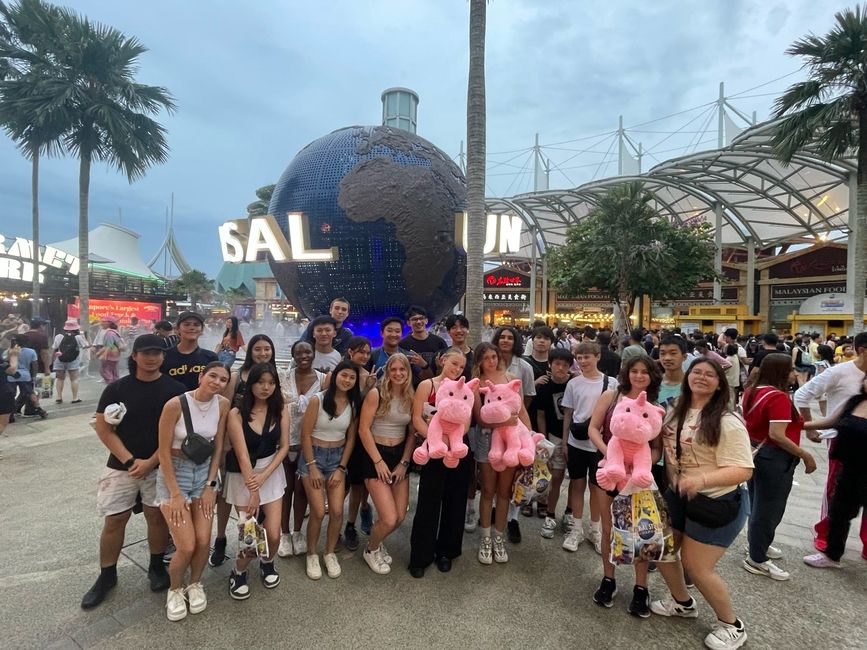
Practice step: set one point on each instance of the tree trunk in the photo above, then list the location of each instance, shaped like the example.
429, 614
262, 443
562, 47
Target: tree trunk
83, 243
34, 203
476, 151
860, 229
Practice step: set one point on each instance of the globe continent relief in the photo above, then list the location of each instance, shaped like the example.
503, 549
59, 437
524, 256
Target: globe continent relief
386, 199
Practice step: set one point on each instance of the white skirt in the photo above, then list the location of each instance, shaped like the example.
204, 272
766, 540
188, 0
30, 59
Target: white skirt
236, 491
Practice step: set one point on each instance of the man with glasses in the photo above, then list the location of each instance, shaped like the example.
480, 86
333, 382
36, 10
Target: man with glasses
423, 346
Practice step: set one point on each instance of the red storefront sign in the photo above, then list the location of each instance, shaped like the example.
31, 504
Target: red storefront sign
122, 309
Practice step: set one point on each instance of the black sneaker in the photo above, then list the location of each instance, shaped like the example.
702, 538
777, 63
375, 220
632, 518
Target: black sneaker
218, 553
604, 596
350, 537
41, 413
513, 531
640, 605
158, 577
238, 587
97, 593
270, 577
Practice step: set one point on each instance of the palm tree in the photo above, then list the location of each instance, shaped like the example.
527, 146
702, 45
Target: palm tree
29, 29
196, 285
829, 113
476, 150
108, 113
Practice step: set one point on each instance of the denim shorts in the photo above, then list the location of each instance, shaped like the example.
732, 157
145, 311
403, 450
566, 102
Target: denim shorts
723, 536
480, 443
327, 459
191, 479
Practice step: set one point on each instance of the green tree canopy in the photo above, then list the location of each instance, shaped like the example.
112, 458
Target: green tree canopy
624, 249
259, 208
196, 285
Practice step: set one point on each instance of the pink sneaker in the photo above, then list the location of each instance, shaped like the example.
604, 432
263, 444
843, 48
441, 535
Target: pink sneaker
821, 561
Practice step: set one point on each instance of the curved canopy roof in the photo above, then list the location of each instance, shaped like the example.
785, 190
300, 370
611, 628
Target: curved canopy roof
762, 200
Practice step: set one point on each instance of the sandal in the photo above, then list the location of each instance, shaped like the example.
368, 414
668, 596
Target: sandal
58, 401
541, 510
75, 401
527, 510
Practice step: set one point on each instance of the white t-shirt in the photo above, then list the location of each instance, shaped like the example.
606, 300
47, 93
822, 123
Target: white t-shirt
79, 338
326, 361
838, 382
581, 396
523, 371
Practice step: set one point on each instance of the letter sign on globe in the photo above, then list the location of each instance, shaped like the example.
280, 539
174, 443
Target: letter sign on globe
242, 241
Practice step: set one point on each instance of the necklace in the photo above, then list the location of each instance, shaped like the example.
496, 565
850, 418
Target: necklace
199, 408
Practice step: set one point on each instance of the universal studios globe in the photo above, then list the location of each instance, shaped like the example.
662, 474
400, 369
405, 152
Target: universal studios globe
386, 199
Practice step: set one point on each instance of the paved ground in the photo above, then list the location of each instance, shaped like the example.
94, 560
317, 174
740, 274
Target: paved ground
541, 598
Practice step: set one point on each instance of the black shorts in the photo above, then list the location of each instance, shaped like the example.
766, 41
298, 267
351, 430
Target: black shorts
355, 464
391, 455
581, 463
7, 403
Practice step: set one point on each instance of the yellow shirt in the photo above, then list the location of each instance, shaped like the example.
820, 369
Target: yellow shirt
733, 450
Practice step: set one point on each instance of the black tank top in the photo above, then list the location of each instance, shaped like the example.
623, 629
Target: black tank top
263, 444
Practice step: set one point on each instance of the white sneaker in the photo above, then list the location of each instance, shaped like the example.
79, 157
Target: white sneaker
375, 561
332, 566
821, 561
766, 568
285, 549
726, 637
773, 552
386, 556
573, 539
595, 538
314, 571
549, 527
486, 551
500, 554
176, 605
671, 607
299, 543
470, 521
196, 597
568, 523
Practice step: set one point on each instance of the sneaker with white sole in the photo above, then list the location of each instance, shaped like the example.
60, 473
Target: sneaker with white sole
314, 571
821, 561
549, 527
486, 551
196, 598
385, 554
299, 543
726, 637
573, 539
332, 566
269, 575
176, 604
595, 539
285, 549
767, 568
375, 561
568, 522
671, 607
239, 589
500, 554
470, 523
773, 552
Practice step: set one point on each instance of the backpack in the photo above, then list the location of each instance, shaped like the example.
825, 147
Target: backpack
68, 348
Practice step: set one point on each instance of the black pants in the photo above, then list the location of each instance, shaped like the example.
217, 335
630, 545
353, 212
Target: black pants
850, 495
24, 399
769, 491
438, 525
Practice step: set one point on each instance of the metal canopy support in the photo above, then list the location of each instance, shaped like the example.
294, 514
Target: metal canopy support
717, 261
533, 246
544, 284
751, 276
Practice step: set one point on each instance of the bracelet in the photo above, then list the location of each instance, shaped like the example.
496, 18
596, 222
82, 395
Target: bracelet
312, 462
342, 468
379, 461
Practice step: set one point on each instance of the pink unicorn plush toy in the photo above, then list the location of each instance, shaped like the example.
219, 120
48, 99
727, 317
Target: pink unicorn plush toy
510, 445
445, 433
634, 423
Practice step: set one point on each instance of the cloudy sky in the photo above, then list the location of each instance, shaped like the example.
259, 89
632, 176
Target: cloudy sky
255, 82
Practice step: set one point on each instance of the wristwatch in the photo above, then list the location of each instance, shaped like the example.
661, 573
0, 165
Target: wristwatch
128, 464
405, 463
212, 484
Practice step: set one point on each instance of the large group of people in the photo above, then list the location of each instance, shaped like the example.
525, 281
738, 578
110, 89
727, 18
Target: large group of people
192, 440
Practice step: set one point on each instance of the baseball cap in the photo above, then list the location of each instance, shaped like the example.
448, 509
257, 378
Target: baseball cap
148, 342
187, 315
37, 322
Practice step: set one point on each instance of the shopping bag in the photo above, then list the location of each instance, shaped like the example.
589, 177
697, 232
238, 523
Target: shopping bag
534, 481
641, 528
252, 540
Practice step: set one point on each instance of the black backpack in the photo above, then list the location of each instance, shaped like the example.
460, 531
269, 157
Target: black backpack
68, 348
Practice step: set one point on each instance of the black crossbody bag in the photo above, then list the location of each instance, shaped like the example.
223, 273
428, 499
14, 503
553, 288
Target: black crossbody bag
195, 447
702, 509
581, 430
232, 464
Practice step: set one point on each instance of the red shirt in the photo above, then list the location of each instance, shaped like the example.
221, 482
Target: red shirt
766, 404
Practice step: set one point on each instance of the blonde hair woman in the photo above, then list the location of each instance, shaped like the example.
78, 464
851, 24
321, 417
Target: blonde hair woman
383, 428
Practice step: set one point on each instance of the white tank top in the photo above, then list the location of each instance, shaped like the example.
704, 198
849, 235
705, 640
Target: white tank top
205, 417
297, 403
328, 429
392, 425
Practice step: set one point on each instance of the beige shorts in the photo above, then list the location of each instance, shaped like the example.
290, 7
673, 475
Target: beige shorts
558, 458
117, 491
